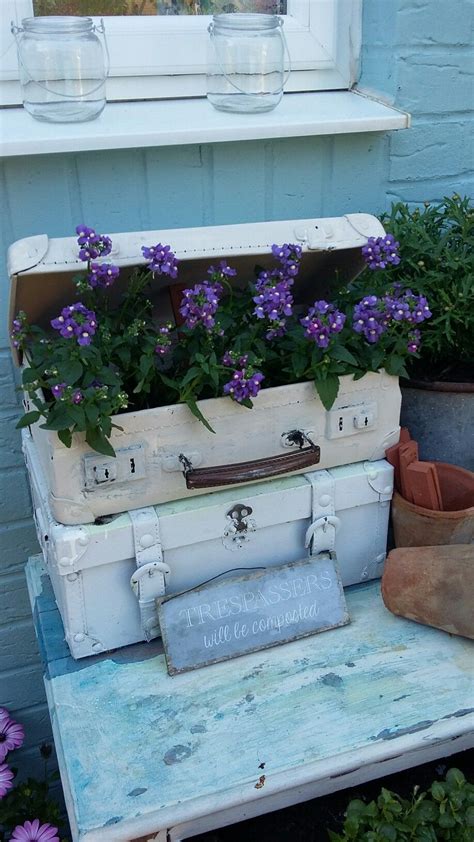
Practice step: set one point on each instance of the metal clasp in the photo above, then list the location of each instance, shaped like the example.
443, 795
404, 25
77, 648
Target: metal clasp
236, 534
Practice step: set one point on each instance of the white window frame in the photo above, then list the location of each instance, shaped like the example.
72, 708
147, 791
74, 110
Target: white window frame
161, 57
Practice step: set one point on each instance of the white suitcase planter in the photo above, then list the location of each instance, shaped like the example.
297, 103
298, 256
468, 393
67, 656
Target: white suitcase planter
364, 421
179, 545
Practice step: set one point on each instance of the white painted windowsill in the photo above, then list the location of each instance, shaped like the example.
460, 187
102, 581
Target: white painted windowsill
131, 125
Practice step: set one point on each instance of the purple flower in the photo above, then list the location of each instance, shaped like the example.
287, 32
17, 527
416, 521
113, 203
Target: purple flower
199, 305
244, 384
163, 342
289, 255
19, 330
58, 390
92, 245
371, 318
102, 274
405, 306
381, 251
322, 322
161, 260
6, 777
11, 736
414, 341
76, 320
231, 359
77, 396
274, 301
4, 714
35, 832
222, 271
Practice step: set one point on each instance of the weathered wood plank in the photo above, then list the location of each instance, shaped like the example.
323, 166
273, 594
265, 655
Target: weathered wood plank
140, 750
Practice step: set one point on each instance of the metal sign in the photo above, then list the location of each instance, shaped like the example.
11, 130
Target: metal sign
234, 616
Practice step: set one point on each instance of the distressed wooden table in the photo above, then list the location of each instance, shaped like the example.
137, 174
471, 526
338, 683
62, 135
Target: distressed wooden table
143, 755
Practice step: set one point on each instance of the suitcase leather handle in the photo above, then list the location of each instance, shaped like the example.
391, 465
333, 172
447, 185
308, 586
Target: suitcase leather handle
258, 469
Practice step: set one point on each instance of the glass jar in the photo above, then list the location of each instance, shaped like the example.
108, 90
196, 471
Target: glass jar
63, 67
246, 62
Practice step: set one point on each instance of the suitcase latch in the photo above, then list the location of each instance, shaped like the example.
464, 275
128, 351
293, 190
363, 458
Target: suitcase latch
237, 532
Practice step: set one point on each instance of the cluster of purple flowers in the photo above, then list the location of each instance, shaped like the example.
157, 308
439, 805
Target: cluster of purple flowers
274, 300
380, 252
222, 271
322, 322
12, 736
289, 256
61, 391
161, 260
245, 382
372, 315
407, 307
370, 318
92, 245
76, 320
199, 304
102, 274
163, 342
19, 330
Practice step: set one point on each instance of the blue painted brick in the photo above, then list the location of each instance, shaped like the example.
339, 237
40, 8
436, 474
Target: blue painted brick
431, 150
22, 687
434, 23
14, 601
10, 442
18, 645
436, 82
9, 397
16, 504
17, 541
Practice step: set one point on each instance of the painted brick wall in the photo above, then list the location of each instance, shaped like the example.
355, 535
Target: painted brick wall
415, 53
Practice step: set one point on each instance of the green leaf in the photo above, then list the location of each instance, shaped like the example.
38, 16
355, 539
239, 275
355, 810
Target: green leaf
92, 414
29, 375
327, 390
96, 439
342, 354
71, 372
191, 403
66, 437
58, 421
27, 419
247, 403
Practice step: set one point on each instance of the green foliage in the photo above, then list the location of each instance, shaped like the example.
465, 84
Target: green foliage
31, 800
445, 812
437, 260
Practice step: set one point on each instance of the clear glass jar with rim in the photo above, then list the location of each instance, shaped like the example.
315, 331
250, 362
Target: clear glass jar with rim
63, 68
246, 62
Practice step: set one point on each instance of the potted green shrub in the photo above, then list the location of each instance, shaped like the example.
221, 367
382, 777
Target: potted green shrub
437, 260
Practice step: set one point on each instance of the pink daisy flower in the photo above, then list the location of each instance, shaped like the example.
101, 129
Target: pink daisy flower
6, 777
11, 736
34, 832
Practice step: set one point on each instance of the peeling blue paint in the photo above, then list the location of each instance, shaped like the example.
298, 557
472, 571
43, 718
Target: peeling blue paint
391, 734
177, 754
139, 790
331, 679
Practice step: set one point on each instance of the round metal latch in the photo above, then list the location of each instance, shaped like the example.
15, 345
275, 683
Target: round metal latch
240, 526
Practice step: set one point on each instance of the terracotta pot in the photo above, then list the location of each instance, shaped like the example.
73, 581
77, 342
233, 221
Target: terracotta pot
414, 526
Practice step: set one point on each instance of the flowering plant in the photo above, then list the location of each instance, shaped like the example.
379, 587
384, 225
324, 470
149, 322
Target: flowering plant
100, 358
18, 804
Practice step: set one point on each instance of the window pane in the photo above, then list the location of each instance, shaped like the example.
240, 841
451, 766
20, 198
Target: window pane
102, 8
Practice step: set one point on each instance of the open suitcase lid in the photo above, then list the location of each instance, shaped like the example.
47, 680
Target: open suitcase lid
42, 269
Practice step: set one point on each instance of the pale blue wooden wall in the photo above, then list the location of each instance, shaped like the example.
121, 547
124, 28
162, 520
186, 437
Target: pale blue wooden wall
415, 53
